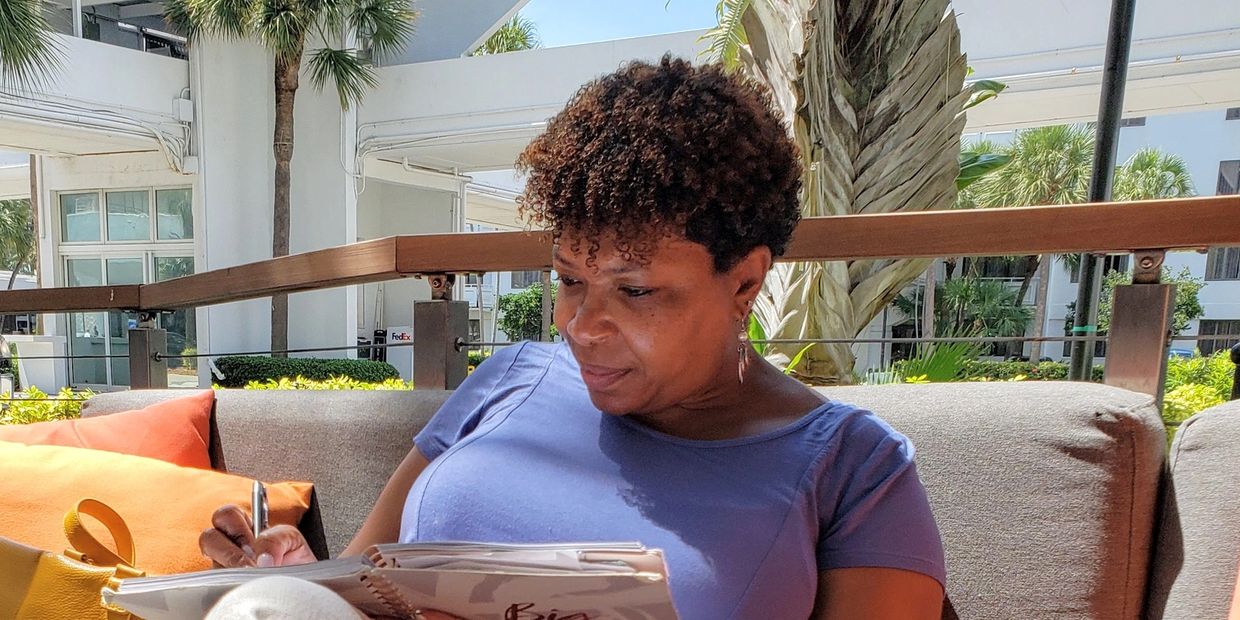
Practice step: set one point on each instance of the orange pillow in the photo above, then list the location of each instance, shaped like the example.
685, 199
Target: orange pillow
174, 430
165, 506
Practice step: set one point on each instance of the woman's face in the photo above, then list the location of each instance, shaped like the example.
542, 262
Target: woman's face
654, 334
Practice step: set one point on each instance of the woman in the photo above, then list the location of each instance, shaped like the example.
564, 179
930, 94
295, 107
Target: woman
670, 189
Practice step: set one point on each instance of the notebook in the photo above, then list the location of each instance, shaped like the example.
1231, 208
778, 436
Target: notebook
585, 581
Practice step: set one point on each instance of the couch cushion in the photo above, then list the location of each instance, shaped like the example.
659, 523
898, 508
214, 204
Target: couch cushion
1198, 547
175, 430
346, 442
1044, 492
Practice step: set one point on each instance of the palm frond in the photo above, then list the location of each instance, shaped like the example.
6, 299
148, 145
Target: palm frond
1150, 174
874, 93
728, 36
351, 76
387, 24
282, 26
29, 55
518, 34
231, 19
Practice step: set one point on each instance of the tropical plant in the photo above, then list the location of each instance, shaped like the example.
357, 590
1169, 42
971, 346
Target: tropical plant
35, 405
1185, 401
868, 89
1187, 303
757, 337
520, 313
17, 242
331, 383
935, 362
1215, 371
519, 33
290, 30
28, 53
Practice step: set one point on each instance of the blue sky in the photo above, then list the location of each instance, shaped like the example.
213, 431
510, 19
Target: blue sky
569, 22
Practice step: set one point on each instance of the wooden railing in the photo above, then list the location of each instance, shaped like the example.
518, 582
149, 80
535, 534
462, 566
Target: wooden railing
1138, 337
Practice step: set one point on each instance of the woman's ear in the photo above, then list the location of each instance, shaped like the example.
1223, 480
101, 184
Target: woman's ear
748, 275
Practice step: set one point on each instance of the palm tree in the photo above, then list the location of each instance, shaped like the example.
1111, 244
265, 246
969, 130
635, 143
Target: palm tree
284, 27
17, 242
28, 53
874, 94
516, 35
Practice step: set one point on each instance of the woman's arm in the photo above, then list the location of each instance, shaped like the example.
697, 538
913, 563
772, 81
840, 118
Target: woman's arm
877, 594
383, 523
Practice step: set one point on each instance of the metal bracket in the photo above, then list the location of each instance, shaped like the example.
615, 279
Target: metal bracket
441, 284
1147, 266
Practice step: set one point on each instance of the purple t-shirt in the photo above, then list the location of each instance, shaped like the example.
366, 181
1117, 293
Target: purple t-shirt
519, 454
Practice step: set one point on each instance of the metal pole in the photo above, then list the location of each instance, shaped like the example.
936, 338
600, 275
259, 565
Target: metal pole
76, 7
545, 333
1110, 109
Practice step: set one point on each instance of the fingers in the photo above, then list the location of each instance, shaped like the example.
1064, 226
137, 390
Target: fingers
222, 550
279, 545
234, 523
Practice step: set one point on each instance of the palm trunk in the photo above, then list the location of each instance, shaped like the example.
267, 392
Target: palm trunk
1032, 264
13, 275
282, 146
927, 302
1039, 311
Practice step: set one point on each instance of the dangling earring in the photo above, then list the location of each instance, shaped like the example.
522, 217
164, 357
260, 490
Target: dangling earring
743, 346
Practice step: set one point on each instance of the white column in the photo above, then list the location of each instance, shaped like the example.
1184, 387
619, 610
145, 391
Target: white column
77, 18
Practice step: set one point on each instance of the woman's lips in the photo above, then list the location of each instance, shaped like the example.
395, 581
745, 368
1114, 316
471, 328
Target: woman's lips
599, 378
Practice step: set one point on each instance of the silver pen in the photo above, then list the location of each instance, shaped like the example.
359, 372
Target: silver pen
258, 508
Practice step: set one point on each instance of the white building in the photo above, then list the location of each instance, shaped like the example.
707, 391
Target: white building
153, 161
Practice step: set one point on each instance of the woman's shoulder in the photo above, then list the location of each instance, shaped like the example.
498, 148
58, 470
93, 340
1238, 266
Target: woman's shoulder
847, 433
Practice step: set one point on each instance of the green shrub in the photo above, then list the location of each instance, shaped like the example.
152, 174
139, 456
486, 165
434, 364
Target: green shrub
1184, 401
333, 383
979, 370
1216, 372
476, 357
37, 408
241, 370
187, 362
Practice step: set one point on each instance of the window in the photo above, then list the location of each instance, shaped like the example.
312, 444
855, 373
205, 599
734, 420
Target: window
523, 279
79, 217
1223, 264
1113, 262
1013, 268
1228, 177
1233, 114
125, 236
139, 215
1138, 121
475, 330
1218, 328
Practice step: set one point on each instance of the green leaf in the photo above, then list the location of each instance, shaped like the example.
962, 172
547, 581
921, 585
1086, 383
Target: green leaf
728, 36
388, 24
28, 52
343, 68
756, 335
796, 359
974, 166
516, 35
983, 90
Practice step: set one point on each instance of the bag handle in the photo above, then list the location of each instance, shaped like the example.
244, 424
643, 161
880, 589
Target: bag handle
86, 548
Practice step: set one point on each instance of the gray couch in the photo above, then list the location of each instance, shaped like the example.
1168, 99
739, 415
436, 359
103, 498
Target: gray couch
1047, 494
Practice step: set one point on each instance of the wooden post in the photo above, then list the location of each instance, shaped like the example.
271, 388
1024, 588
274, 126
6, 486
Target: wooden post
439, 356
146, 372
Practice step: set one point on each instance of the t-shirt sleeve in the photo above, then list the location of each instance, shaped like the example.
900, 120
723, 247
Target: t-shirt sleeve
467, 406
873, 508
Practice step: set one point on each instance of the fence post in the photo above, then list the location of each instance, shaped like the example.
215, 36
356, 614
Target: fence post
1235, 379
1140, 329
440, 326
148, 369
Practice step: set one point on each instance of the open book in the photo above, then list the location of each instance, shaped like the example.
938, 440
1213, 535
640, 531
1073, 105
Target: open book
586, 581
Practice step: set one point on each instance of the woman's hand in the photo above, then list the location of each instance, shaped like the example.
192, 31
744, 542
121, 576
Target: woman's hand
230, 542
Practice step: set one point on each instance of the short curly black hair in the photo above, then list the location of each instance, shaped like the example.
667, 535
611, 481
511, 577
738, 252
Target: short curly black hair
667, 149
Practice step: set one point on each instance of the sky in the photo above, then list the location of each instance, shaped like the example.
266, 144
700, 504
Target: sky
570, 22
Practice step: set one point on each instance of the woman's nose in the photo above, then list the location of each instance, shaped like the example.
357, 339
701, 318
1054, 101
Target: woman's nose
589, 322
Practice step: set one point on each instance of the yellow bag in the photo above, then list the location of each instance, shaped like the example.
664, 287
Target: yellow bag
40, 585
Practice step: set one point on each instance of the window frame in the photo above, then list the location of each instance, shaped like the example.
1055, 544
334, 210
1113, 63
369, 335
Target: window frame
101, 197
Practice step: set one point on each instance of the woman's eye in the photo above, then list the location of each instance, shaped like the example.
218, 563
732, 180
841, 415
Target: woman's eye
633, 291
567, 281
